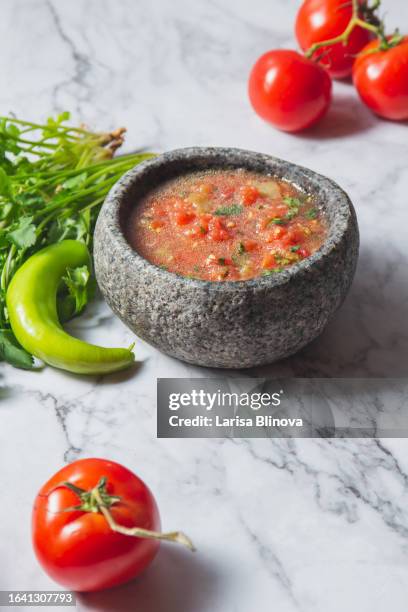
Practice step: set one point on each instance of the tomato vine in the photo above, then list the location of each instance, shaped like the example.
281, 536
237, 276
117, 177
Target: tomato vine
364, 15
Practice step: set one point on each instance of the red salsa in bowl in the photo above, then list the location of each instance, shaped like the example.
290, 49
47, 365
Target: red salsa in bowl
221, 225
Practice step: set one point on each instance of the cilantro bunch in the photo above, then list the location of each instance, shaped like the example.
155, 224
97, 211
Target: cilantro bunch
53, 180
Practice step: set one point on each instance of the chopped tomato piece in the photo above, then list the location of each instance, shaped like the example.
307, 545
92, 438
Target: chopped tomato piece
250, 245
224, 261
268, 261
249, 194
294, 236
157, 224
183, 217
276, 233
217, 231
200, 228
303, 253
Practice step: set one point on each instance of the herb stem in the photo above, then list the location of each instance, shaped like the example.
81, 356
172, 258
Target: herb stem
39, 126
42, 203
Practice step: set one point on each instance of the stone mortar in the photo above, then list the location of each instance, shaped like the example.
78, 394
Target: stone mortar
225, 324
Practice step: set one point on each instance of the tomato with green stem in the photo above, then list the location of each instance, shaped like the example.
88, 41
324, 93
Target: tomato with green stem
96, 525
289, 90
319, 25
380, 76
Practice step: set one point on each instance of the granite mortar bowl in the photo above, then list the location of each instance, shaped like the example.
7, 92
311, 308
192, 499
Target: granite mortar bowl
228, 324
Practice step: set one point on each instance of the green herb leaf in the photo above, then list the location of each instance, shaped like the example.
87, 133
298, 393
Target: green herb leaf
75, 182
280, 258
295, 248
77, 282
272, 271
5, 210
29, 200
24, 236
13, 353
4, 243
293, 202
277, 221
12, 130
294, 205
53, 180
241, 248
221, 261
5, 188
64, 116
227, 211
312, 213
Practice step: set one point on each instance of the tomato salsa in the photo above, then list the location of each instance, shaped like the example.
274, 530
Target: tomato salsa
226, 225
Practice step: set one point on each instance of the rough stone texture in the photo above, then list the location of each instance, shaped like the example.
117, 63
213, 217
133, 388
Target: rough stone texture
225, 324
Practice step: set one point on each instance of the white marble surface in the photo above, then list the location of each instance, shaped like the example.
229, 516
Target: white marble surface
307, 525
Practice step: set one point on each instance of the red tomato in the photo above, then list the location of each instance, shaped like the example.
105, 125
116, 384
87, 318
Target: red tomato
288, 90
78, 549
250, 246
157, 224
304, 253
277, 232
200, 227
381, 79
320, 20
184, 217
269, 261
217, 231
294, 236
249, 194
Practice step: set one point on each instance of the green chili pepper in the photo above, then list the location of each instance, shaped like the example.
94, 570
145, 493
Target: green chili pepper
32, 307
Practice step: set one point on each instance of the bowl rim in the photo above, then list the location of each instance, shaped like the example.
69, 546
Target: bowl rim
113, 202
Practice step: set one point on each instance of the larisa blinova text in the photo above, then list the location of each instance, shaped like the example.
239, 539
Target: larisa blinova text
236, 421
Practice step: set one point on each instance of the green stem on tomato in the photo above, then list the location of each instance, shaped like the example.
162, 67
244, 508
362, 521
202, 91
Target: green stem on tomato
99, 500
366, 26
375, 26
